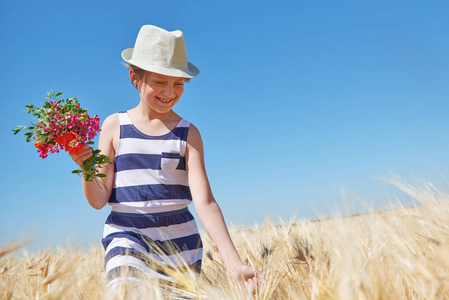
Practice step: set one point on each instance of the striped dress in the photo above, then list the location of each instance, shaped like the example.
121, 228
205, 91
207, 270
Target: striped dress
150, 227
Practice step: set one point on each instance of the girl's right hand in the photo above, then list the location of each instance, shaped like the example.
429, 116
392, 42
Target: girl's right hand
252, 278
81, 157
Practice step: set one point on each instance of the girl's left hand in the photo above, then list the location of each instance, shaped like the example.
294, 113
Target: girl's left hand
252, 278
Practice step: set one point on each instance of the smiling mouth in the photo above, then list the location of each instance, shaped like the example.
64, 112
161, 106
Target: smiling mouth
164, 100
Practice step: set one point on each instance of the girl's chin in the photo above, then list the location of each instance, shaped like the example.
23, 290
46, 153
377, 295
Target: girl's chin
161, 109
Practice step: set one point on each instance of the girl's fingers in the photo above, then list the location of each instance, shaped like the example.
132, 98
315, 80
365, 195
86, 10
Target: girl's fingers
251, 286
252, 278
81, 157
254, 282
259, 276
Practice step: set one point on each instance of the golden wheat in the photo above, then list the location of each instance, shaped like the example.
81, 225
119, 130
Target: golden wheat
396, 254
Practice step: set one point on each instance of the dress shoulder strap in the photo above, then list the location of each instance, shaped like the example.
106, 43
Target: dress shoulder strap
183, 123
124, 118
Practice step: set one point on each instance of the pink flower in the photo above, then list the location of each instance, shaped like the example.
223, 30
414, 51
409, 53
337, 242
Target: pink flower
64, 126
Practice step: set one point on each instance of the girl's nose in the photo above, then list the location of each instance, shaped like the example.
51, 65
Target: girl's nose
169, 91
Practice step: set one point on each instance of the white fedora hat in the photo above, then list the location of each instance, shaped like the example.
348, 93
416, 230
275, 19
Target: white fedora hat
160, 51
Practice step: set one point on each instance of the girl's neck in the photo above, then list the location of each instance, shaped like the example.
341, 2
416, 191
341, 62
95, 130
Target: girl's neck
144, 112
151, 122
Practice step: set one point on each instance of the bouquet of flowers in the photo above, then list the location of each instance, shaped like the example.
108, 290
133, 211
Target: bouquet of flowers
63, 124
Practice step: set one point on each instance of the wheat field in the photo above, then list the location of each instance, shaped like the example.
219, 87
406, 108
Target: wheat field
400, 253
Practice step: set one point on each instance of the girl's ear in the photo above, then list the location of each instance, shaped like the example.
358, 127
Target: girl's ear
132, 75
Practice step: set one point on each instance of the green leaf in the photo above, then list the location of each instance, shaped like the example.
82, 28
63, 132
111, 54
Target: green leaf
58, 94
20, 128
101, 175
90, 143
76, 171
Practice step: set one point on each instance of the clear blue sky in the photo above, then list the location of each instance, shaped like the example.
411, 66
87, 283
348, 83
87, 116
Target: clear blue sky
296, 101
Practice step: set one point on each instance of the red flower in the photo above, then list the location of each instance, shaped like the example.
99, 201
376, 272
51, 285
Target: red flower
38, 145
68, 139
65, 138
77, 149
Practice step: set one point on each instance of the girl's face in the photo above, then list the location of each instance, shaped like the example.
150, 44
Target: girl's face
161, 92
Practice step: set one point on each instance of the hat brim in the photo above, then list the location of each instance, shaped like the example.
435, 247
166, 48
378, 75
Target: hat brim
190, 72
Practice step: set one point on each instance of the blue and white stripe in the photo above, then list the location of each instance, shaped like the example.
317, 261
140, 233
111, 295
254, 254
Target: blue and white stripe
150, 223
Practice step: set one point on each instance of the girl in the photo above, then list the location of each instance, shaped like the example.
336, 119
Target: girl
158, 169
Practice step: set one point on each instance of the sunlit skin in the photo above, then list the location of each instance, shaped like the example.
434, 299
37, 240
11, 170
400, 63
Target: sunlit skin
159, 92
158, 95
154, 116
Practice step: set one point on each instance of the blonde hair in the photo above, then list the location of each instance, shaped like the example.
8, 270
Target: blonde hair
140, 74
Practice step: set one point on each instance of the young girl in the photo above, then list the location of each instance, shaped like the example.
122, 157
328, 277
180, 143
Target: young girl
158, 169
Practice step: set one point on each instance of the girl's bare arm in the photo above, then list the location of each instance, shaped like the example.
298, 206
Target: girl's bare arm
97, 192
209, 212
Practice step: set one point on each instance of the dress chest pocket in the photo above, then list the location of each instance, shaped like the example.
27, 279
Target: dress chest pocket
169, 161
